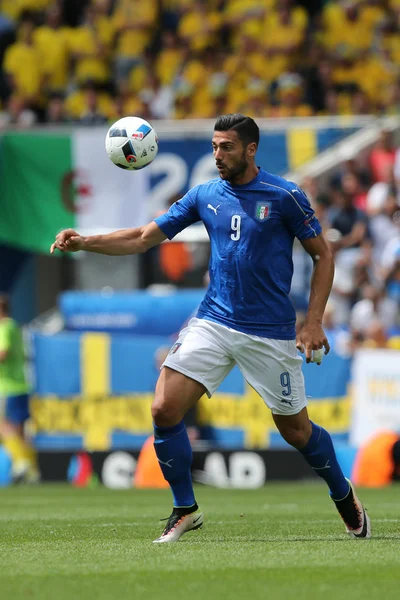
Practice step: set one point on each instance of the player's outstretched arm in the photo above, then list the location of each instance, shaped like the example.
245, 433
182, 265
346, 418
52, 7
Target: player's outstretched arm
117, 243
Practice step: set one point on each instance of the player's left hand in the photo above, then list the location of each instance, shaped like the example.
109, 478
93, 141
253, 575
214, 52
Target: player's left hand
312, 337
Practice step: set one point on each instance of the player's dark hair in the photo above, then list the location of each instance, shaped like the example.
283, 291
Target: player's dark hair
246, 128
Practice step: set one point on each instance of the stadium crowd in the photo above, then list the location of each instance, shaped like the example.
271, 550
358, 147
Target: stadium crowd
93, 60
359, 210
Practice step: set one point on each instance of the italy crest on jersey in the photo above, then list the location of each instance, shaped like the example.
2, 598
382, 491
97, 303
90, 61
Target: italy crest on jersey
263, 210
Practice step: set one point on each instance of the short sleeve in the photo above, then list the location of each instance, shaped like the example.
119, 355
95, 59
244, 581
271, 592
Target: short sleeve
298, 214
5, 335
181, 214
10, 60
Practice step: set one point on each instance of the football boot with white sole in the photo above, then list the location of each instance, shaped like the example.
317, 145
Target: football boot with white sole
356, 520
178, 524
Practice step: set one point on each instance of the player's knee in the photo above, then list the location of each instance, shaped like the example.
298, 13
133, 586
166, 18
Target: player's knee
297, 438
165, 414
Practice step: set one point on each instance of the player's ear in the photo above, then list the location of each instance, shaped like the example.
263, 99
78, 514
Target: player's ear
251, 149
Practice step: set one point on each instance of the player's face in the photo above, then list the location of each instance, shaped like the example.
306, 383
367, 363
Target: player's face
231, 157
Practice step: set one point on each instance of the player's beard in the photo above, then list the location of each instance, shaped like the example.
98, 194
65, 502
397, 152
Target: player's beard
232, 173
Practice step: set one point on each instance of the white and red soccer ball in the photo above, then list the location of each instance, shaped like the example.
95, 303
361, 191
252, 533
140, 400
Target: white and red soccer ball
131, 143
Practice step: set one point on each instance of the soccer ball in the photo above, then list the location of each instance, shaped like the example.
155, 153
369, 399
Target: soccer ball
131, 143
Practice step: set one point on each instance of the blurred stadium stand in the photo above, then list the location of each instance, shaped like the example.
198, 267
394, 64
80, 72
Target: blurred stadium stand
92, 61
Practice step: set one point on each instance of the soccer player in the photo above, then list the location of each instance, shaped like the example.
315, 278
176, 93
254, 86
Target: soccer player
246, 317
14, 398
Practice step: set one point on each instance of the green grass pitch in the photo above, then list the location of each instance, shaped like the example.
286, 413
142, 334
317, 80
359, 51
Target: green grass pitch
280, 542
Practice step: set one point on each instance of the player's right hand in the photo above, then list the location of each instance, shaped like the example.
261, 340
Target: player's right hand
68, 240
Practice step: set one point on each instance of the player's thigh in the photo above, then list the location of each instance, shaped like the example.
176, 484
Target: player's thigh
17, 409
202, 353
175, 394
273, 369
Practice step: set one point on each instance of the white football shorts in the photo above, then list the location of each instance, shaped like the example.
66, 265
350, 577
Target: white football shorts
206, 352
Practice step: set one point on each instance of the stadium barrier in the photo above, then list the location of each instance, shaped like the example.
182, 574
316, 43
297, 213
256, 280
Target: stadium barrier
220, 468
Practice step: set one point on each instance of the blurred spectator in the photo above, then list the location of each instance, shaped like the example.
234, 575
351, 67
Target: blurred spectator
379, 191
290, 97
352, 188
92, 113
15, 9
55, 62
350, 222
73, 11
383, 225
169, 59
56, 114
351, 165
373, 306
22, 63
361, 104
375, 335
363, 274
382, 156
245, 17
158, 99
319, 200
14, 398
315, 87
17, 114
199, 26
124, 103
396, 167
392, 106
90, 46
7, 37
134, 22
347, 28
87, 101
349, 240
390, 265
314, 193
286, 26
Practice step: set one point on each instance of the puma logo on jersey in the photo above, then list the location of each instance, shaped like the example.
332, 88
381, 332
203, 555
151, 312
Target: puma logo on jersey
213, 208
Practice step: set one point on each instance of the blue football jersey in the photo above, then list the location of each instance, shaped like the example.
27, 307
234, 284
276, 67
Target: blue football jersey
251, 229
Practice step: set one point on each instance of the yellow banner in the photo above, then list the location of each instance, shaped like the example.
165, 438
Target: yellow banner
96, 417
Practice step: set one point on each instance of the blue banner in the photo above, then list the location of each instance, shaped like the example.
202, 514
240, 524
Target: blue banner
139, 312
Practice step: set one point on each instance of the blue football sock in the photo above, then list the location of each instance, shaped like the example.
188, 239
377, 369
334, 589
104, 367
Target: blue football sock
320, 455
174, 454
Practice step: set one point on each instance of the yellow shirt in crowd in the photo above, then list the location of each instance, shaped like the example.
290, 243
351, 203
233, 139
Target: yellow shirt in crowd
14, 8
76, 104
90, 47
199, 29
134, 22
168, 63
22, 63
339, 31
52, 47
